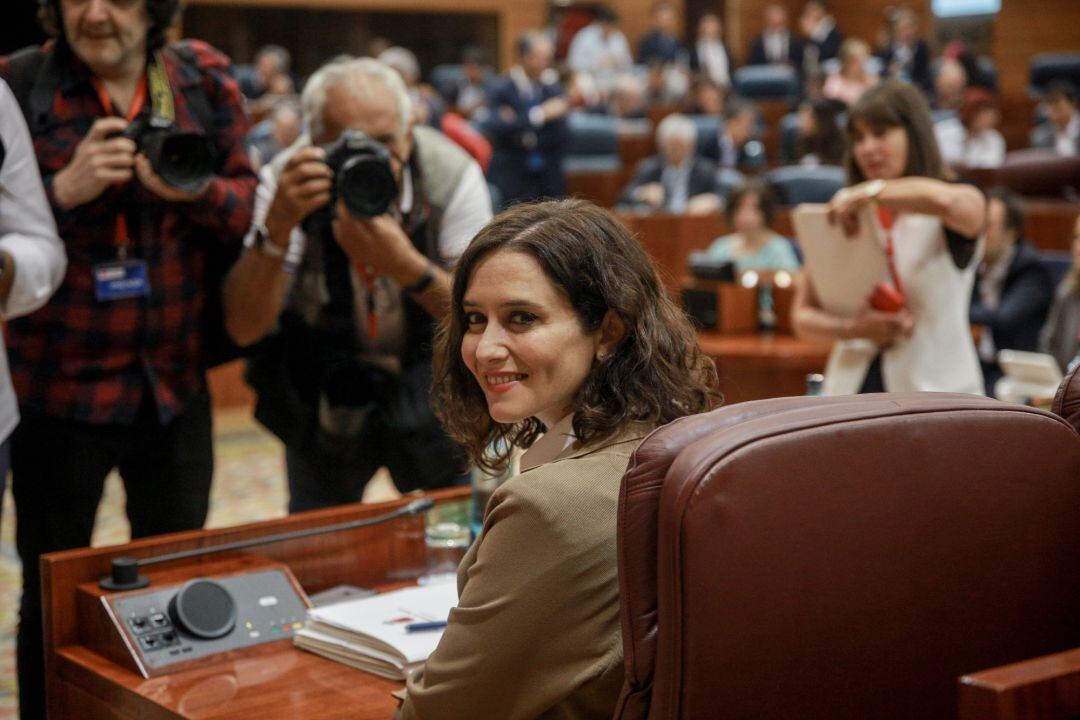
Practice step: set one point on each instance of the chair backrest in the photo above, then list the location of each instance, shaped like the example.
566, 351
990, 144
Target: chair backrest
768, 82
796, 184
844, 557
1047, 67
592, 144
1038, 173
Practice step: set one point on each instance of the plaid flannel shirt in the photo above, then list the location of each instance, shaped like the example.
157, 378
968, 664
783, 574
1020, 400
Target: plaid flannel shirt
81, 359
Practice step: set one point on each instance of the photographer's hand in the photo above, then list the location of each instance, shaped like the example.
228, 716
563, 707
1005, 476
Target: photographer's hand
155, 184
380, 243
303, 187
99, 161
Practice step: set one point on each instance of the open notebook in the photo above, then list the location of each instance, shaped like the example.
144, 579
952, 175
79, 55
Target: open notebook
370, 634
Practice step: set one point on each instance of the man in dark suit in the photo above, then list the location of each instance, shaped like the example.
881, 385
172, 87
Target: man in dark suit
1013, 288
907, 56
823, 38
776, 45
662, 43
1062, 132
527, 125
736, 145
676, 180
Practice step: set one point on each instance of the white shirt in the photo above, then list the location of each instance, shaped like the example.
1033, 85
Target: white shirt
591, 52
28, 233
951, 137
984, 149
1065, 140
714, 61
776, 45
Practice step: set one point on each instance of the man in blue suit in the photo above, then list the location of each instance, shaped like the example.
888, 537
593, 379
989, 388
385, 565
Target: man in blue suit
527, 125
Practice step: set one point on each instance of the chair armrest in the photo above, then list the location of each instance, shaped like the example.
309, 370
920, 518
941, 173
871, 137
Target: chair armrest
1044, 688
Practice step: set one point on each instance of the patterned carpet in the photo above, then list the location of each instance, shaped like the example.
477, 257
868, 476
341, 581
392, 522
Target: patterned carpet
249, 485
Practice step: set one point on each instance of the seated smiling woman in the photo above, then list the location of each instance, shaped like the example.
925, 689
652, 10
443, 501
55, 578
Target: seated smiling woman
561, 339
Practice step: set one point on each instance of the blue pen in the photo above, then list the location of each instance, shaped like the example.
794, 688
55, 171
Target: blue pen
423, 626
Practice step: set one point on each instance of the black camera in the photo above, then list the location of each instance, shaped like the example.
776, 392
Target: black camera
363, 179
183, 159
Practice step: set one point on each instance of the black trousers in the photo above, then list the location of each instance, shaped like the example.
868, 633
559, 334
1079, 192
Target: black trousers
58, 475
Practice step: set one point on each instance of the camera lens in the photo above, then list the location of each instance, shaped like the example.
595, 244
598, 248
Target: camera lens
366, 185
185, 160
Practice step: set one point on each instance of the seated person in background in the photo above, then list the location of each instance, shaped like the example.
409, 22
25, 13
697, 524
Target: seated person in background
676, 180
737, 146
628, 98
752, 245
820, 141
469, 93
1060, 335
662, 42
280, 129
1012, 287
582, 93
906, 56
600, 48
428, 106
950, 85
854, 76
666, 84
984, 147
561, 339
709, 55
776, 45
1062, 133
707, 98
823, 38
913, 333
272, 64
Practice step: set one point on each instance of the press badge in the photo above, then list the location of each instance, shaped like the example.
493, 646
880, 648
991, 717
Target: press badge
121, 279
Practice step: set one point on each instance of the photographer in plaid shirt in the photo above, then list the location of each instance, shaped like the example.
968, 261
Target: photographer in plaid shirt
110, 373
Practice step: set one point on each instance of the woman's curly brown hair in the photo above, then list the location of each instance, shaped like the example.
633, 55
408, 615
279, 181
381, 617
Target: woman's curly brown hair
162, 15
655, 374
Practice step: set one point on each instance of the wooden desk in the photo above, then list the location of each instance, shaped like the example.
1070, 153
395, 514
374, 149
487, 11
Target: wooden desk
753, 366
270, 681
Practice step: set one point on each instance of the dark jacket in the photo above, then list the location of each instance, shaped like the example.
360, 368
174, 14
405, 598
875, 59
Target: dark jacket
919, 70
829, 47
527, 160
1043, 137
650, 170
1025, 299
757, 54
659, 45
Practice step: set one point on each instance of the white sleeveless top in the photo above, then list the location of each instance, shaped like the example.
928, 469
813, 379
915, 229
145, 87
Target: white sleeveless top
940, 354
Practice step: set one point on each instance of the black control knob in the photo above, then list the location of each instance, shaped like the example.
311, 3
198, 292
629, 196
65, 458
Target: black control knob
203, 608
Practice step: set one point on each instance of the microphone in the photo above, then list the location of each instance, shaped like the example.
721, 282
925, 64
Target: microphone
125, 570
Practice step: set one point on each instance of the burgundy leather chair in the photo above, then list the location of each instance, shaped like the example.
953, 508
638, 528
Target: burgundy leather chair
845, 557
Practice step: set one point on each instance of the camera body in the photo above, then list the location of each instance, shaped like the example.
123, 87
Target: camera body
183, 159
363, 180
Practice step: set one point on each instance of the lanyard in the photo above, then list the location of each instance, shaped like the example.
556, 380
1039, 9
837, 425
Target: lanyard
138, 101
887, 220
368, 275
154, 84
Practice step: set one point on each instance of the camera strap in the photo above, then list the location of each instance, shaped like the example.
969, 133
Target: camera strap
153, 84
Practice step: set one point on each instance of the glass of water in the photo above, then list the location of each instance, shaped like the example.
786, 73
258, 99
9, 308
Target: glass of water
447, 536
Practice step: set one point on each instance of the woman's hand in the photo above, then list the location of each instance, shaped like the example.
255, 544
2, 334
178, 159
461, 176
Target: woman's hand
882, 328
845, 205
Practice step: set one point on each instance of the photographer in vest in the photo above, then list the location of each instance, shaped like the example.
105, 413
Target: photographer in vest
140, 147
342, 280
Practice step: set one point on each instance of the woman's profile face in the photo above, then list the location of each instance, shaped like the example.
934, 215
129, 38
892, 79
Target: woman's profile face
880, 153
523, 342
748, 216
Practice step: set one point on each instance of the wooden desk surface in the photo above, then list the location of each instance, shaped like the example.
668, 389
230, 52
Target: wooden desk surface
269, 682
